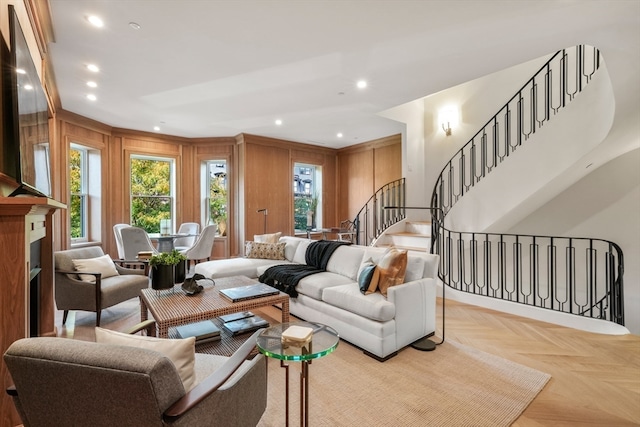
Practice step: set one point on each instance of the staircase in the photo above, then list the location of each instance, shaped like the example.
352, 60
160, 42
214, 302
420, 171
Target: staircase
409, 235
565, 276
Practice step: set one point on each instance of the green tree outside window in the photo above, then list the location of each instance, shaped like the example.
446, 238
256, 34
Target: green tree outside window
150, 193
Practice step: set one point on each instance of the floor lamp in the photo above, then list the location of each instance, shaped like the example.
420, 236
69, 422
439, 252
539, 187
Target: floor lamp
264, 213
424, 343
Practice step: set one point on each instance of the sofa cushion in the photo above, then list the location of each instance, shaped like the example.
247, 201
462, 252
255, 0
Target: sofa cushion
415, 267
234, 267
348, 297
301, 251
103, 265
392, 269
346, 261
314, 284
264, 250
180, 351
267, 238
291, 244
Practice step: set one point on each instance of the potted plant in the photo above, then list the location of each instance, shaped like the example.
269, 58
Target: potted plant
167, 268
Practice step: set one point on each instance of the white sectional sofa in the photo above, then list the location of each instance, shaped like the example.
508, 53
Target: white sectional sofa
379, 325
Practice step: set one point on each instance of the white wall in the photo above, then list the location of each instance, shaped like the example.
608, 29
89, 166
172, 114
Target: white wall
605, 204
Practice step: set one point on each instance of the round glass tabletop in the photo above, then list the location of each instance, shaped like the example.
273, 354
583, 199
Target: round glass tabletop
322, 342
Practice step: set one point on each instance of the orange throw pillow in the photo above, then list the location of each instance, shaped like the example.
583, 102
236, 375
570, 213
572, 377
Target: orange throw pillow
392, 268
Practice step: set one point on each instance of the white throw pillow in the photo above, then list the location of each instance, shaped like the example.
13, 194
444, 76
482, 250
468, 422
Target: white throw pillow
267, 238
180, 351
103, 264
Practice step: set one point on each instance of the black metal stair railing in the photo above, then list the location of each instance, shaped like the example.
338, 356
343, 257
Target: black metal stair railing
373, 218
580, 276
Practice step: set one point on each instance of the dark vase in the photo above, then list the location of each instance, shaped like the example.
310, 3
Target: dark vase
181, 271
162, 277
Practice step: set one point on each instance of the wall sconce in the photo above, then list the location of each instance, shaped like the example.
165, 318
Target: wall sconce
448, 118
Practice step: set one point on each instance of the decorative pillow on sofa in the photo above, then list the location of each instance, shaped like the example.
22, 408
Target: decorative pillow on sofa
368, 277
182, 352
103, 265
392, 268
267, 238
264, 250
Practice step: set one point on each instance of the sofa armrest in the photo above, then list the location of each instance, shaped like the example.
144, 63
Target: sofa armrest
415, 304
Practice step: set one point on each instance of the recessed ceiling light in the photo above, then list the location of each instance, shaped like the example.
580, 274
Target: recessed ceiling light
134, 25
28, 87
361, 84
278, 122
156, 128
95, 21
20, 71
91, 97
92, 67
339, 135
92, 84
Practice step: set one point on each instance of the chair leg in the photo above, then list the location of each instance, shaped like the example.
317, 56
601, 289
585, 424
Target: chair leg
64, 316
98, 313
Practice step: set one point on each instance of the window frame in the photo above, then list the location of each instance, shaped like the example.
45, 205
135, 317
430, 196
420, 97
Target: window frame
172, 188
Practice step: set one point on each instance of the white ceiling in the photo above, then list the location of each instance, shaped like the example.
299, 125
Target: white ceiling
206, 68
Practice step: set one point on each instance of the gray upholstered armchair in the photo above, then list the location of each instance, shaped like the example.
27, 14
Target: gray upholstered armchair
65, 382
73, 293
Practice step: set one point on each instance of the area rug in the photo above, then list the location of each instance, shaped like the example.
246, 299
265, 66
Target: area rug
455, 385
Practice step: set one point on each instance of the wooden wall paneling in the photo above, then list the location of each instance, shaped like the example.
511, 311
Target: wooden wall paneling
355, 183
267, 185
387, 165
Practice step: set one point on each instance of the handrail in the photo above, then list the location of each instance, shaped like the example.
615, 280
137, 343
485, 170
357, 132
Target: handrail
527, 269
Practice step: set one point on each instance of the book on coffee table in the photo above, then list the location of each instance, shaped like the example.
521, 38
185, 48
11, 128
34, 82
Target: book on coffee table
242, 293
248, 324
204, 330
235, 316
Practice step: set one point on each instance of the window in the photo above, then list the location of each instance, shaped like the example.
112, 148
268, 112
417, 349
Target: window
78, 189
85, 194
215, 190
307, 201
152, 189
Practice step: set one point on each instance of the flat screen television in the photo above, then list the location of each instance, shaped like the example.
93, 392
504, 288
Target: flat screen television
26, 119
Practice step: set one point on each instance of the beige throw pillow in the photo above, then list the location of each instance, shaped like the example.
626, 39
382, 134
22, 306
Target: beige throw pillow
264, 250
103, 265
267, 238
180, 351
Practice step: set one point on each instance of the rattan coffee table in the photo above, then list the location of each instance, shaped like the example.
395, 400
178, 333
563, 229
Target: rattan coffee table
172, 307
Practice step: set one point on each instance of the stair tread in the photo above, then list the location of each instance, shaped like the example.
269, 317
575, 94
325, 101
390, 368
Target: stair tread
409, 248
408, 233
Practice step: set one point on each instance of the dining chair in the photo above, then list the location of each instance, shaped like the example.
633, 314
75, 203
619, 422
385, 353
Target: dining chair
116, 231
202, 248
134, 241
184, 243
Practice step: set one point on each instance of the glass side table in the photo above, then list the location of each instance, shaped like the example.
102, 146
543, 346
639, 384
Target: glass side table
323, 341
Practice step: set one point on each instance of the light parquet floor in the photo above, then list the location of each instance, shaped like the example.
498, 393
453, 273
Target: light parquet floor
595, 378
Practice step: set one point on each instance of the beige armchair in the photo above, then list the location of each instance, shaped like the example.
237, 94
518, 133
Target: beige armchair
65, 382
72, 293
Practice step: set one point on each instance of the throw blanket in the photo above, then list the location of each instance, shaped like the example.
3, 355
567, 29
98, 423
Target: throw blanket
285, 277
